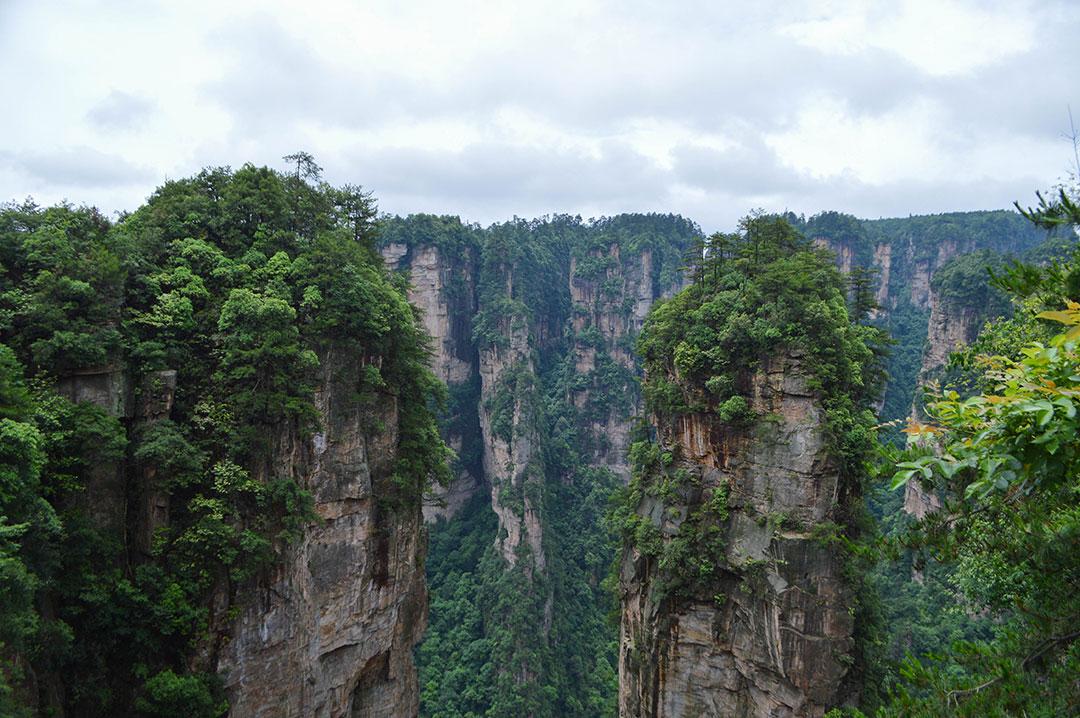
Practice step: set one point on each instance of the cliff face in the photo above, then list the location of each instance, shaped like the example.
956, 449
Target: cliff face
442, 286
951, 325
907, 254
773, 637
511, 460
609, 309
557, 308
331, 633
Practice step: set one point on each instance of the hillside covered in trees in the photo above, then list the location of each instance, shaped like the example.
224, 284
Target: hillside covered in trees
226, 413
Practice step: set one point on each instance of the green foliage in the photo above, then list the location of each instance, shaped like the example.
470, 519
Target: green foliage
250, 284
763, 299
483, 653
167, 695
1003, 459
771, 291
62, 288
963, 282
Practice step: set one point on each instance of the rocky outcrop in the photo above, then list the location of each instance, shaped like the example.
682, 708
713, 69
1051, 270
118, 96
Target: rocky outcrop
511, 459
109, 389
770, 633
331, 633
883, 262
153, 403
919, 502
951, 325
443, 289
609, 310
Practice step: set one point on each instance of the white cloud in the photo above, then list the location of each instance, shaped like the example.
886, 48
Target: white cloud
493, 108
940, 37
828, 139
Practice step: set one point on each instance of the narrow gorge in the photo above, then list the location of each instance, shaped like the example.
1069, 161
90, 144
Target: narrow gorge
555, 371
282, 499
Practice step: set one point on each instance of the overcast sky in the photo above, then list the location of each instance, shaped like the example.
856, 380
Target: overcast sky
490, 110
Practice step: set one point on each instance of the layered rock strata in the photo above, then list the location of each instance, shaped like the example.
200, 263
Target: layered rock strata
443, 289
608, 312
771, 635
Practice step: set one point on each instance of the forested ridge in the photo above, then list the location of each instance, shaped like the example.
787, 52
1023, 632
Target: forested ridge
160, 380
226, 289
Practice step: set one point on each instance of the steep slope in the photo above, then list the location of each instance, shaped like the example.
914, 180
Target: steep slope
559, 304
439, 256
907, 253
776, 637
331, 633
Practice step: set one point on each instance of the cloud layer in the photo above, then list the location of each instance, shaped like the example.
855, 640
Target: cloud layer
493, 109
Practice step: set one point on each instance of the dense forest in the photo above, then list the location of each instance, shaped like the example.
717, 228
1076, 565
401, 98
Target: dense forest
573, 404
132, 533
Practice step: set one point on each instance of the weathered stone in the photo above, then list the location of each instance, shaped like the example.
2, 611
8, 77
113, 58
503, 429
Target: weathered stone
154, 403
446, 317
618, 318
107, 388
331, 634
775, 637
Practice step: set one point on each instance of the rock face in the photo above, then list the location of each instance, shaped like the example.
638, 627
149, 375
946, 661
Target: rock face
951, 325
772, 636
331, 634
443, 288
609, 310
109, 389
511, 445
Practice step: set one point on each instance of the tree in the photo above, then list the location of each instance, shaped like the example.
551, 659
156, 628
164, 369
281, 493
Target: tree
1009, 461
356, 210
861, 286
306, 169
1006, 461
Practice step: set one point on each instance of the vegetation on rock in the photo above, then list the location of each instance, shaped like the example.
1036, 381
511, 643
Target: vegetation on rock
241, 282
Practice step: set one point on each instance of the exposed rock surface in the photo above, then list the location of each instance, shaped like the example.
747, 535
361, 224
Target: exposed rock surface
154, 403
511, 451
443, 288
775, 637
951, 326
109, 389
883, 262
332, 633
613, 306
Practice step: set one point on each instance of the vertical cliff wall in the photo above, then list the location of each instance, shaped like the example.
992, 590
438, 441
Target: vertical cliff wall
907, 254
331, 632
612, 290
439, 258
773, 634
559, 303
737, 595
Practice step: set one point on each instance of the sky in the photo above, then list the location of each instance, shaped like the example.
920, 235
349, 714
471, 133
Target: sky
490, 110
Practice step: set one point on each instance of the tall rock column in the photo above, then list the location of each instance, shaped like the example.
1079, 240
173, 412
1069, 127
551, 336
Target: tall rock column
732, 603
509, 404
739, 596
611, 290
442, 286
